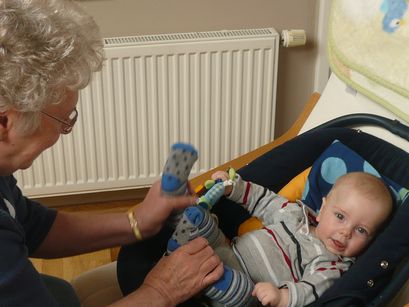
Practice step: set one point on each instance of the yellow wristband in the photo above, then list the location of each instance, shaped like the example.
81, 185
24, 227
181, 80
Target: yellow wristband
134, 224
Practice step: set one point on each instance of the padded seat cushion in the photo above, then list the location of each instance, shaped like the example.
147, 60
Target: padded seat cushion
364, 281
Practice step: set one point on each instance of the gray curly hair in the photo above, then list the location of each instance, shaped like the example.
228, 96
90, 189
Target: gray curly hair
46, 48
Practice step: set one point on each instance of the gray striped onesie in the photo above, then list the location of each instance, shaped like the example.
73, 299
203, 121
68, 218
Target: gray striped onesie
284, 252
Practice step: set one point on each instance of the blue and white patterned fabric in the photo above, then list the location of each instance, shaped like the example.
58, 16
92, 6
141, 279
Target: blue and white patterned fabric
212, 196
335, 161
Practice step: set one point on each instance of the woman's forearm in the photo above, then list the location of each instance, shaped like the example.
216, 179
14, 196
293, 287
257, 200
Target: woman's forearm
76, 233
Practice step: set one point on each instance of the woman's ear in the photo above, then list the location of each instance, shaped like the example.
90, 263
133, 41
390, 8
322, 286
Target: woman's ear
324, 202
3, 120
3, 126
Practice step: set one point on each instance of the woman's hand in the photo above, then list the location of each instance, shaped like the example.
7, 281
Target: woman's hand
184, 273
152, 213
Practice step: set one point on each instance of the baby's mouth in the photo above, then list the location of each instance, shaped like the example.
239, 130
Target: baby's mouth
338, 245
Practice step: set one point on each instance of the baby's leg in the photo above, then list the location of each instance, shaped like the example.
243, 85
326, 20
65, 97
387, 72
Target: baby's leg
234, 287
176, 173
197, 221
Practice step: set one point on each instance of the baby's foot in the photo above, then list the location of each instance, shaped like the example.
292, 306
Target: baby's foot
176, 173
195, 222
177, 169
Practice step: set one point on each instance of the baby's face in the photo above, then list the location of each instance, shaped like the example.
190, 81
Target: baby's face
346, 227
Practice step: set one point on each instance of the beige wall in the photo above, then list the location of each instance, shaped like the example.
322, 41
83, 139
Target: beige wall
296, 65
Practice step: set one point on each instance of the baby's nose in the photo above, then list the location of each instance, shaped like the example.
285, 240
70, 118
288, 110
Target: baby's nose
346, 232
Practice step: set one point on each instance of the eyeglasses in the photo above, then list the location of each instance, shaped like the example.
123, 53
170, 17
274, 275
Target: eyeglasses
66, 125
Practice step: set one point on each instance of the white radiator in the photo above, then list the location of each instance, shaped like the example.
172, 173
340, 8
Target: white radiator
215, 90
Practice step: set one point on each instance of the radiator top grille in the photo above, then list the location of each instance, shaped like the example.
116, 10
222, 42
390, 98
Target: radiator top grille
184, 37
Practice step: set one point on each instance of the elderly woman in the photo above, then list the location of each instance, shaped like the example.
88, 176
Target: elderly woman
48, 51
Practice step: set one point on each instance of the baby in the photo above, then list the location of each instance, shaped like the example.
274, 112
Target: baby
297, 255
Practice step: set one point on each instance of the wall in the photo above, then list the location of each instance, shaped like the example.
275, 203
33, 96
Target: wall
296, 65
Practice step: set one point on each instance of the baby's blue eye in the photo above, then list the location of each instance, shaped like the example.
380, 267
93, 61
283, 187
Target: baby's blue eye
361, 230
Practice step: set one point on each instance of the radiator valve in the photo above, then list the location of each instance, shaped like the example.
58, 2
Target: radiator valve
293, 38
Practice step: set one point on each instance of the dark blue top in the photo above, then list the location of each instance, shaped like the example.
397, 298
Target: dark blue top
23, 226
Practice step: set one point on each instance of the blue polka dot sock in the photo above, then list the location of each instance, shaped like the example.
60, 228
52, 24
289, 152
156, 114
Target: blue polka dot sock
195, 222
176, 173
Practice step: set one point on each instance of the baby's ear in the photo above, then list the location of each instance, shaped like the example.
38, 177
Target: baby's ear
324, 202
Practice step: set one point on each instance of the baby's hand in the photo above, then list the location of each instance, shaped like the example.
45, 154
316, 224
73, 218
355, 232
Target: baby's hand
270, 295
223, 176
220, 175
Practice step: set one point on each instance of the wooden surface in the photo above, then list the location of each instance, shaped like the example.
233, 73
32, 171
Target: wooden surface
70, 267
